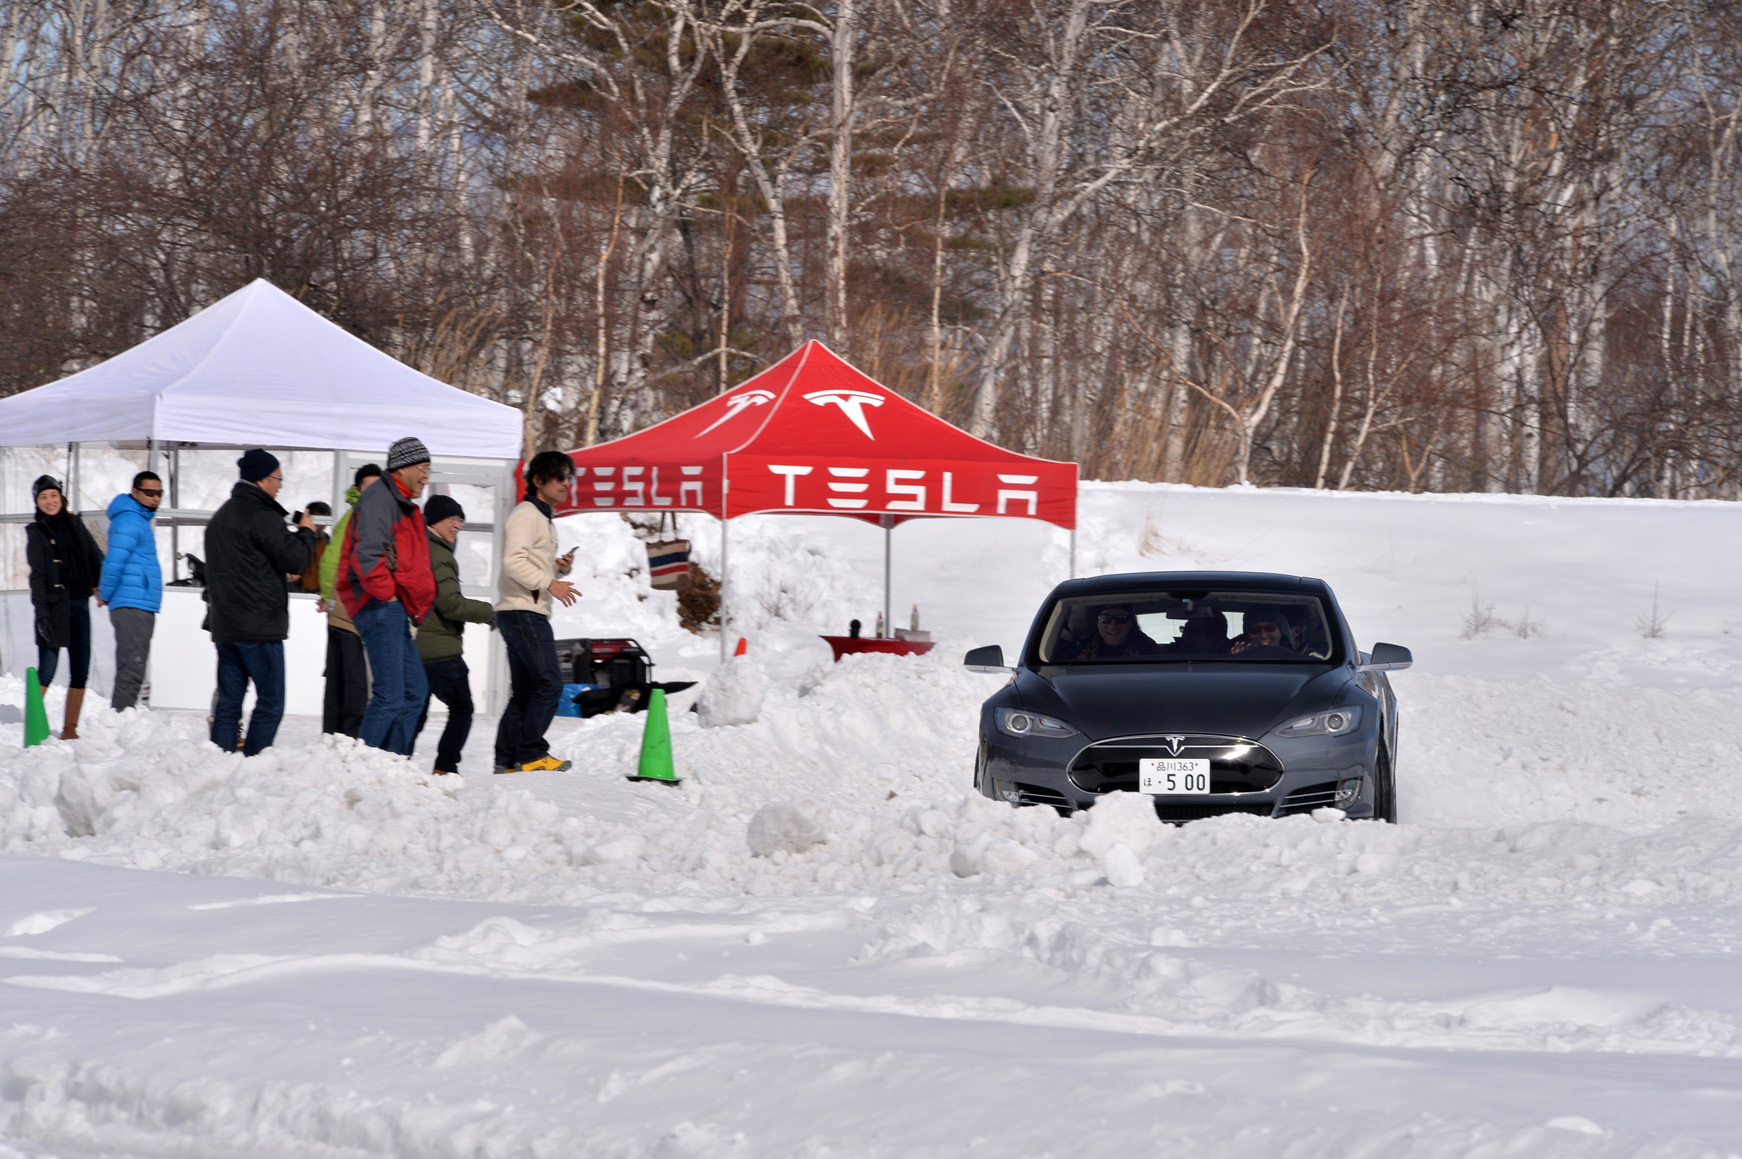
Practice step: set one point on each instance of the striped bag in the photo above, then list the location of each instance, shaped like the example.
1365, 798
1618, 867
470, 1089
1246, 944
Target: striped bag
668, 562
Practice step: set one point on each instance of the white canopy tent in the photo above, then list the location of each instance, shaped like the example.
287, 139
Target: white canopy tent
258, 368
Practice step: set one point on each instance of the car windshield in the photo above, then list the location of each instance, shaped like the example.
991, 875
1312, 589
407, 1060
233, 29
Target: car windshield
1162, 626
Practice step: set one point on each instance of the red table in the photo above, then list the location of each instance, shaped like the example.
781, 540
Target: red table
850, 645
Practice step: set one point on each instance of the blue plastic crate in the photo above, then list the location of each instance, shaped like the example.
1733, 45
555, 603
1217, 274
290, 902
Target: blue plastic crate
567, 704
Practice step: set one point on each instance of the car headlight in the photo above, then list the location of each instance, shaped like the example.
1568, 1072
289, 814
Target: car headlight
1019, 722
1335, 722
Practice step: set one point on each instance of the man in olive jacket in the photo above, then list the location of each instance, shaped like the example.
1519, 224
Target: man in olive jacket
438, 638
250, 548
347, 693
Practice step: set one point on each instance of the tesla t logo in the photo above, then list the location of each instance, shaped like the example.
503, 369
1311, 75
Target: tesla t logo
1174, 744
851, 402
736, 404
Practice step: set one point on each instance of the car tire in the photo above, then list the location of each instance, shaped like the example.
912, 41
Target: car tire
1384, 791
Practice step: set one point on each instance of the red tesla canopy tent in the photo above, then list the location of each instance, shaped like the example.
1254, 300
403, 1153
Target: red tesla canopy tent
813, 435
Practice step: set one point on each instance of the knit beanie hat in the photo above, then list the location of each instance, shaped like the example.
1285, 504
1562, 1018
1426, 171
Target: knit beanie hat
406, 453
45, 483
441, 507
255, 464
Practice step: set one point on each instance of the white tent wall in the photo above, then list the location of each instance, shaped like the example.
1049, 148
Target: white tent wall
183, 664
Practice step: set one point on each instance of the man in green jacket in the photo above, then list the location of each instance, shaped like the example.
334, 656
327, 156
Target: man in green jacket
347, 667
438, 637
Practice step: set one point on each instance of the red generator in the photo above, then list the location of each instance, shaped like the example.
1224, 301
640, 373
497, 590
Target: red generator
607, 675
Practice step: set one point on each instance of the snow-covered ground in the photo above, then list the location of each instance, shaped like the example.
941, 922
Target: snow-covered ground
323, 951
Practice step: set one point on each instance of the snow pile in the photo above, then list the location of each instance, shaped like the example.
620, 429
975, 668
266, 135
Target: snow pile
734, 694
1479, 752
856, 775
785, 827
137, 791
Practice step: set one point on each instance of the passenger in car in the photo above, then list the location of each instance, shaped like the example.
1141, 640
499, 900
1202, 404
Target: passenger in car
1202, 635
1306, 632
1266, 627
1116, 635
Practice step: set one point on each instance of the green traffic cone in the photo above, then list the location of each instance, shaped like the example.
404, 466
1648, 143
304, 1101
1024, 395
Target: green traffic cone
656, 764
35, 715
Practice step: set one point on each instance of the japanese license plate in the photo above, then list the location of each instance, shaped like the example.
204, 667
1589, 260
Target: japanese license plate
1174, 776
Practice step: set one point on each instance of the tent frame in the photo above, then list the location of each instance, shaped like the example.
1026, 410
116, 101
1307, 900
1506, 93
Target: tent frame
885, 521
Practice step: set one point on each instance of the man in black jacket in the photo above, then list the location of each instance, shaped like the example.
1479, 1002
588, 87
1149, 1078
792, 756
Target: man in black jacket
249, 551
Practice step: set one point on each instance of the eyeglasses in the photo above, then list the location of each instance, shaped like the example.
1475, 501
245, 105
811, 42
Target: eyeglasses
150, 493
1113, 618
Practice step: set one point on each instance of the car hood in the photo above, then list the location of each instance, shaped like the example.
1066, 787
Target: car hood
1132, 698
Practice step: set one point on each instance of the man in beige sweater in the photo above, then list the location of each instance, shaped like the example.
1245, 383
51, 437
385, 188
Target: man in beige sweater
531, 578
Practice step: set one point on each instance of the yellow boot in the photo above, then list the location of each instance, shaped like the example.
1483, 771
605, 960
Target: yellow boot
75, 702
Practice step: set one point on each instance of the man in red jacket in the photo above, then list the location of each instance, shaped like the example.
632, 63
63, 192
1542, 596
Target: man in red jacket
386, 586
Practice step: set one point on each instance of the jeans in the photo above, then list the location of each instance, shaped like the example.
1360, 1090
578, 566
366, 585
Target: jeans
133, 628
347, 692
535, 684
450, 682
263, 663
78, 649
398, 686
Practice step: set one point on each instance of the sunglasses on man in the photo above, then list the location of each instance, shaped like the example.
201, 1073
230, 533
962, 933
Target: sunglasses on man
150, 492
1113, 618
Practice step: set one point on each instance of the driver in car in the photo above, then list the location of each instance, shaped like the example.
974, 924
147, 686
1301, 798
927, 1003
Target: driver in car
1201, 635
1117, 635
1266, 627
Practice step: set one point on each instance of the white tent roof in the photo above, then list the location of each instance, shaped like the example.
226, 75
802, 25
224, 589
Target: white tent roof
259, 368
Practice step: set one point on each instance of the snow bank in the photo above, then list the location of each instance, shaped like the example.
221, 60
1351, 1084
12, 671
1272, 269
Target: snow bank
1538, 791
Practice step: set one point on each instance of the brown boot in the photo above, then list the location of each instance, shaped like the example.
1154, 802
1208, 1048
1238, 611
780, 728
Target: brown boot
75, 702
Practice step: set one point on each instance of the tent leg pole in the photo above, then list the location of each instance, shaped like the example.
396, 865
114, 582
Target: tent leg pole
725, 570
888, 550
1073, 553
174, 498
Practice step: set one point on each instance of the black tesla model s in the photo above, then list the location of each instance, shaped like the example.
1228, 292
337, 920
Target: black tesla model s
1215, 692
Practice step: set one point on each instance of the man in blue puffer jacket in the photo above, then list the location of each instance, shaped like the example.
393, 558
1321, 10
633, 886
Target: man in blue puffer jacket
132, 584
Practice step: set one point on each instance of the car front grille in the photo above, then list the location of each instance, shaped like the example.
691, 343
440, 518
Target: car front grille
1310, 798
1237, 765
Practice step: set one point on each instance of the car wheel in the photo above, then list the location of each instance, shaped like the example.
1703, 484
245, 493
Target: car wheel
1384, 791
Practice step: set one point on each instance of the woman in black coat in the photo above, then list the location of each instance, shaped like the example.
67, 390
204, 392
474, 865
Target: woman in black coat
65, 567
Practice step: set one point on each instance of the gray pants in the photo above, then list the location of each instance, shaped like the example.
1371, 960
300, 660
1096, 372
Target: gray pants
133, 628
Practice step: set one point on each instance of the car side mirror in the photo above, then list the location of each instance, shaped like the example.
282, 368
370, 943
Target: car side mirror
989, 660
1387, 658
